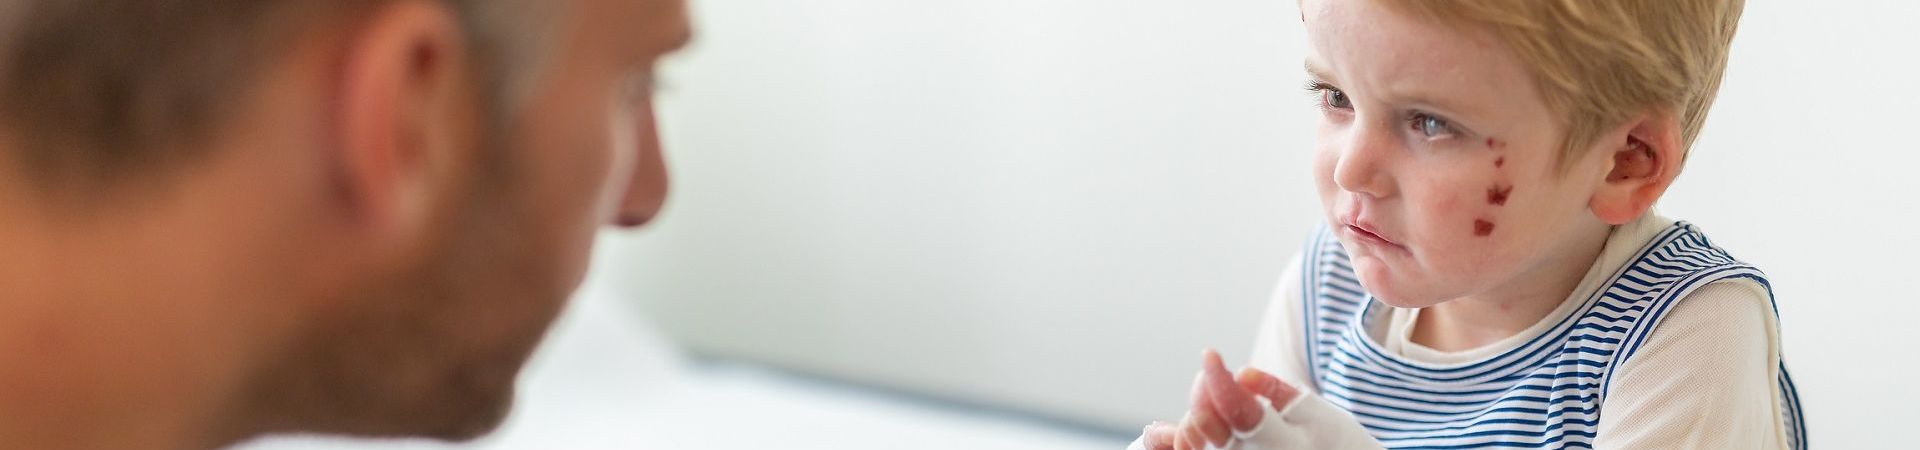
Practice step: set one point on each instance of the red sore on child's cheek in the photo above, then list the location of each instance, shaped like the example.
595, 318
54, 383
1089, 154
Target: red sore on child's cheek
1497, 195
1482, 228
1495, 144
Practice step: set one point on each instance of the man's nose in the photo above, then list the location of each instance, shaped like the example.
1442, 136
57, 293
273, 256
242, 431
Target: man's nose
647, 190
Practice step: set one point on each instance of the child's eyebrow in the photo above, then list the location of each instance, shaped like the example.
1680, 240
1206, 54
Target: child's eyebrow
1313, 71
1445, 103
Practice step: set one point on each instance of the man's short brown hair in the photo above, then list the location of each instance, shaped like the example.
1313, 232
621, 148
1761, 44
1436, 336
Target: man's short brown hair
95, 90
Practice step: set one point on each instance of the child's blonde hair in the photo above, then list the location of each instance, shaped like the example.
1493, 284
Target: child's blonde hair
1600, 62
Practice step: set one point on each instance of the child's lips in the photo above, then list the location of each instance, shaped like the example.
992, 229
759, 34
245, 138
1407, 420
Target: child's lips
1362, 232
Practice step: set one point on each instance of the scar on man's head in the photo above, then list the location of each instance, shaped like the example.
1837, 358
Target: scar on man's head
1482, 228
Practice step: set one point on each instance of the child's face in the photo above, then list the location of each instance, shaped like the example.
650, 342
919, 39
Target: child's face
1436, 158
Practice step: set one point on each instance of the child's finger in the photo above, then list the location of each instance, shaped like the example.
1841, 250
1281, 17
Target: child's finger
1202, 417
1158, 436
1277, 391
1231, 402
1186, 439
1210, 428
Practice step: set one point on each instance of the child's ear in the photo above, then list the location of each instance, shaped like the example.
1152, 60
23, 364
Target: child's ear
1640, 162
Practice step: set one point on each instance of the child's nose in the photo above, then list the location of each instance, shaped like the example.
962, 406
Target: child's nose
1362, 157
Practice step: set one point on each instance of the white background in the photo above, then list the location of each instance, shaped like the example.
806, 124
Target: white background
1052, 205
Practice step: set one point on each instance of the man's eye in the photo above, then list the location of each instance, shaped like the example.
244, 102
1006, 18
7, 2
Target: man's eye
1430, 126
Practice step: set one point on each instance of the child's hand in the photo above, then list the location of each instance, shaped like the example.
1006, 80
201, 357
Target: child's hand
1222, 405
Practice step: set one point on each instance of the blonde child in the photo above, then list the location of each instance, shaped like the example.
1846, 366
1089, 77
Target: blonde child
1492, 274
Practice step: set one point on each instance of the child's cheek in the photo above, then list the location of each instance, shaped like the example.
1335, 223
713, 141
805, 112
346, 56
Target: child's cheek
1324, 160
1455, 207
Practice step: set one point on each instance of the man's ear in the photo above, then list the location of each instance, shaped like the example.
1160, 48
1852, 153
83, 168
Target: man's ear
404, 120
1642, 160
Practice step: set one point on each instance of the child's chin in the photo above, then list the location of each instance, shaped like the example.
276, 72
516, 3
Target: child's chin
1385, 286
1405, 302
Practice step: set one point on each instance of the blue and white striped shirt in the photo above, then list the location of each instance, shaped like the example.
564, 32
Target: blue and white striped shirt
1545, 392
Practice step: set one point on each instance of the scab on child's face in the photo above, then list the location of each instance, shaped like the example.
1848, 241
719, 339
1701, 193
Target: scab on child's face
1436, 158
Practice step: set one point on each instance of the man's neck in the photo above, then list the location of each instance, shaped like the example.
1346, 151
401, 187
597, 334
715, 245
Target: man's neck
1482, 319
115, 335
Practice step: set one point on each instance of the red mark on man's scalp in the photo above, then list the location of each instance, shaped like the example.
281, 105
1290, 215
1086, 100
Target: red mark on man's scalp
1495, 143
1497, 195
1499, 162
1482, 228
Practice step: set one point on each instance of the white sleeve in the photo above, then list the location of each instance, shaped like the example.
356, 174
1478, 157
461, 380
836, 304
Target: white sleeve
1705, 379
1277, 346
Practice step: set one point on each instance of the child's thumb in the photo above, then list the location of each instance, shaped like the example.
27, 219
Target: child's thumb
1231, 402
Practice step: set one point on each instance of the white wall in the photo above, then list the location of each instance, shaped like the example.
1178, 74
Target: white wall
1810, 169
1052, 205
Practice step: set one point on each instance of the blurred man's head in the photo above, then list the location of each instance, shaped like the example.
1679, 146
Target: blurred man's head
347, 216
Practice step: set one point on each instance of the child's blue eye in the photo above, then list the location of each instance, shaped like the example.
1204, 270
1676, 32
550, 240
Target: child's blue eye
1331, 98
1430, 126
1336, 99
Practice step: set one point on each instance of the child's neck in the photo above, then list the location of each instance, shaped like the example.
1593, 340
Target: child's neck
1482, 319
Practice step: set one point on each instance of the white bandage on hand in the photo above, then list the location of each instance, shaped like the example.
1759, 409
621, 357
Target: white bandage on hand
1308, 422
1239, 439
